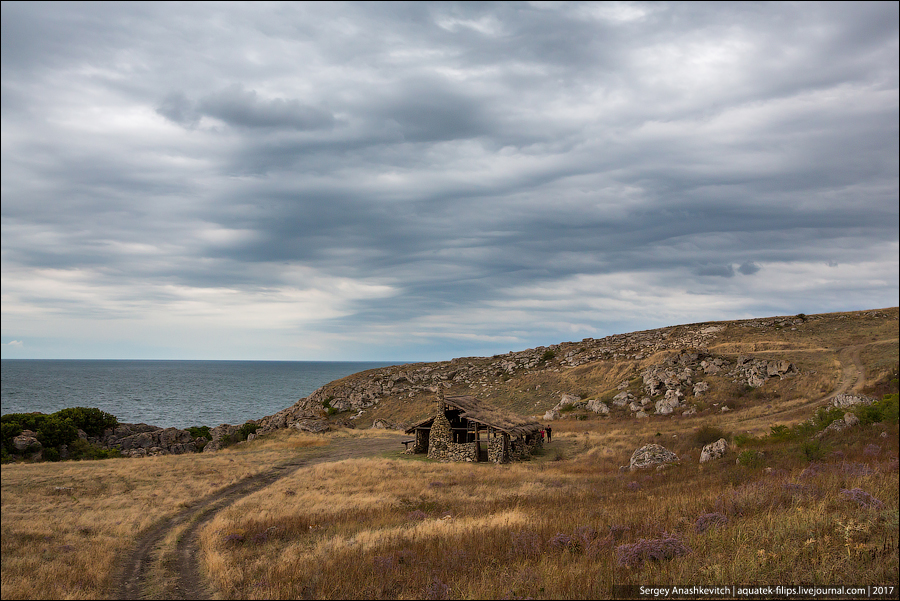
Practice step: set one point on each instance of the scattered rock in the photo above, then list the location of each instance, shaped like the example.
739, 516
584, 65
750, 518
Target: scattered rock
651, 454
713, 450
551, 415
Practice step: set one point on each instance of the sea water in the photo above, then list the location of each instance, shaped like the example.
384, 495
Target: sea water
167, 393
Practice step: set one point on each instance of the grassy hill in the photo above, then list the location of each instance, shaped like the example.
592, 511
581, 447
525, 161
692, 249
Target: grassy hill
790, 503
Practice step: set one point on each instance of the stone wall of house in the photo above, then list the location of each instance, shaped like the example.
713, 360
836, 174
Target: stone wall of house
440, 446
498, 448
519, 449
440, 437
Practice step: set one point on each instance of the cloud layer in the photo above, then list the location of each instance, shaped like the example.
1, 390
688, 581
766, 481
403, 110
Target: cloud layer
419, 181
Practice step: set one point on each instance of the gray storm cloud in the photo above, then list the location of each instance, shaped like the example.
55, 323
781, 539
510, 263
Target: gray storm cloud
427, 180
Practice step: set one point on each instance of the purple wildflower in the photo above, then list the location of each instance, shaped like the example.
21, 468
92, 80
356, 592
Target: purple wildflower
709, 520
861, 498
656, 549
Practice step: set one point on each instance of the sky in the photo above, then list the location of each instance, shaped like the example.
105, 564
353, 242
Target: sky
422, 181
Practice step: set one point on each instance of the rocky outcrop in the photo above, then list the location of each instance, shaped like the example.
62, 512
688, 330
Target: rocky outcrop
757, 371
142, 440
650, 455
842, 401
714, 450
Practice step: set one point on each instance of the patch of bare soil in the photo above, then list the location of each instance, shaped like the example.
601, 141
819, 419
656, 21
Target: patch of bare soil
134, 579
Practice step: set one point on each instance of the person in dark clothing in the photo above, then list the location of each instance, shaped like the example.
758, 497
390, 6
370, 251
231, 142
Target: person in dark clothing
549, 433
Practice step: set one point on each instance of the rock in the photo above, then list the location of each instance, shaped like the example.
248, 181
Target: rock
651, 454
567, 400
669, 403
314, 426
700, 388
713, 450
641, 414
597, 406
689, 411
27, 442
725, 409
635, 407
621, 399
843, 401
851, 420
383, 424
551, 415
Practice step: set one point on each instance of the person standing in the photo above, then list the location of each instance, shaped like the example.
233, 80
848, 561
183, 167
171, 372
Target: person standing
549, 433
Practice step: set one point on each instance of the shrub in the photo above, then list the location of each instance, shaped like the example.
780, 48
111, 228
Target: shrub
708, 433
82, 449
813, 450
91, 420
751, 458
55, 431
200, 432
247, 429
548, 355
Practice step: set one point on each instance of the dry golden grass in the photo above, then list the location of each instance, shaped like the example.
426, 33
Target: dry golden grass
394, 528
64, 525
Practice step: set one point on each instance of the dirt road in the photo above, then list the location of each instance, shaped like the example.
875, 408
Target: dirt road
134, 580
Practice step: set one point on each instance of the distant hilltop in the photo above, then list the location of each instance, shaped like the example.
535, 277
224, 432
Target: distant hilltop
635, 371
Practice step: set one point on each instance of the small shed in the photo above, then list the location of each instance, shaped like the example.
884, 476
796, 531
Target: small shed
464, 428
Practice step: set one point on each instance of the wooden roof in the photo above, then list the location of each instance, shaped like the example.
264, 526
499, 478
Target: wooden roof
485, 414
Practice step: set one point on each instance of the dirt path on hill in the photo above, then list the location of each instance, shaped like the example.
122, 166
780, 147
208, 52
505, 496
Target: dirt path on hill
134, 580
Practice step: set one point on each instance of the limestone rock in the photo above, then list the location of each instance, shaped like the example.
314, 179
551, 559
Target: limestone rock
713, 450
843, 401
700, 388
26, 442
567, 400
597, 406
551, 415
621, 399
651, 454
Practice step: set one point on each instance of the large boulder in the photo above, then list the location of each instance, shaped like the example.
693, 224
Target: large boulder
551, 415
597, 406
26, 442
713, 450
650, 455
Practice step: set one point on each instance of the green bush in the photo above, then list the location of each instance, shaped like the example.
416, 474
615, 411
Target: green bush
813, 450
91, 420
200, 432
247, 429
884, 410
708, 433
82, 449
55, 431
751, 458
548, 355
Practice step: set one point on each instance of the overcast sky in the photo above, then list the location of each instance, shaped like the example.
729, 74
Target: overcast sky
312, 181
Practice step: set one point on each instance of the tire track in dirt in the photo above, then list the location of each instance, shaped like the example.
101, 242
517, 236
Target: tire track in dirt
134, 579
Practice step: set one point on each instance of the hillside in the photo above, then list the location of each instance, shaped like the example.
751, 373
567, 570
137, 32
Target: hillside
773, 366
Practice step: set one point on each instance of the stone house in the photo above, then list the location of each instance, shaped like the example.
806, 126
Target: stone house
464, 428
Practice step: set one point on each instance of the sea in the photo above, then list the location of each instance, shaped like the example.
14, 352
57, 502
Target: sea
176, 394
